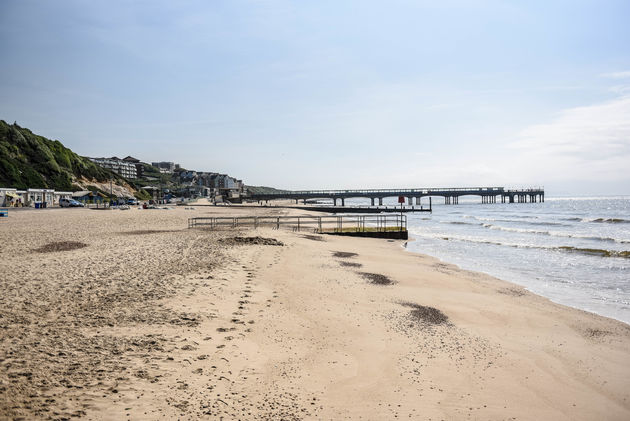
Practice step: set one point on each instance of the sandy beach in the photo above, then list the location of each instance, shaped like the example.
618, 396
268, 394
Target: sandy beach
116, 314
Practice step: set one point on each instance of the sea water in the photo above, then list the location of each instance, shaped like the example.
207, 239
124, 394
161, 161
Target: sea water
574, 251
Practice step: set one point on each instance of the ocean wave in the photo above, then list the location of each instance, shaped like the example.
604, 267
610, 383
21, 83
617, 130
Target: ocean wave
596, 252
550, 224
461, 223
519, 221
597, 220
556, 234
608, 220
567, 249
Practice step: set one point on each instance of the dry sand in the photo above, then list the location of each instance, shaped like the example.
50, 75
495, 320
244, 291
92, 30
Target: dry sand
130, 315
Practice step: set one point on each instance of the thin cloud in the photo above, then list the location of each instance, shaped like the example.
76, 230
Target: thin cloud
617, 75
590, 142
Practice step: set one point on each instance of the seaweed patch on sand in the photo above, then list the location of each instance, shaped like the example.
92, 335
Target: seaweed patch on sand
313, 237
344, 254
60, 246
240, 241
377, 278
516, 292
594, 333
428, 316
145, 232
350, 264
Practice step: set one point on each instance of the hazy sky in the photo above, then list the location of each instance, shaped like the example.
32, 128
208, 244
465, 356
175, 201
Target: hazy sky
332, 94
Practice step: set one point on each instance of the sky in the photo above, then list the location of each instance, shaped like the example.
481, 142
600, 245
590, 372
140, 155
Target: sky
333, 94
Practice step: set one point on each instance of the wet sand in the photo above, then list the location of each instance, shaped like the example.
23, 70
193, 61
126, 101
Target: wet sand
130, 315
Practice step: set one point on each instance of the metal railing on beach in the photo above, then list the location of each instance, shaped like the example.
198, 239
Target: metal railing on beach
321, 224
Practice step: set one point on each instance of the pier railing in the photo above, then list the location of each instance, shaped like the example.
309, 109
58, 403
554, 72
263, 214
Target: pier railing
451, 194
321, 224
421, 190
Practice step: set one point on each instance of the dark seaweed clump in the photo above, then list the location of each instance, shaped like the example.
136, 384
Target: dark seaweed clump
426, 315
377, 278
314, 237
144, 232
350, 264
252, 240
344, 254
60, 246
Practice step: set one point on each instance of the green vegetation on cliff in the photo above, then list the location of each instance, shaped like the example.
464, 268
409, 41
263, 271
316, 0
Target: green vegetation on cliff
31, 161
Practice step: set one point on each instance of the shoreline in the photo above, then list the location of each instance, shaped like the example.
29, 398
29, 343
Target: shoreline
233, 324
501, 278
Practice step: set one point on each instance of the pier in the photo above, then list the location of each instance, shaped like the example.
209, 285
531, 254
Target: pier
451, 195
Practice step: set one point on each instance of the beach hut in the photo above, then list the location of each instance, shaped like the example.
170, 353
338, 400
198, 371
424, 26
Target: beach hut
40, 198
22, 198
82, 196
8, 197
87, 196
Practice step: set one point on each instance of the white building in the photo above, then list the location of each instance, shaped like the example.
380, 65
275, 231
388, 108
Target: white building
34, 196
165, 167
117, 165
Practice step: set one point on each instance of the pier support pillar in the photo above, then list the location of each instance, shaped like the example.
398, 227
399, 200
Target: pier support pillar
334, 201
296, 201
410, 201
304, 201
343, 202
418, 200
380, 201
372, 200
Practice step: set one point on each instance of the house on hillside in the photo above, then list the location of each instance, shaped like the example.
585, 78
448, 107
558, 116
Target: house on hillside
166, 167
153, 191
137, 163
188, 177
123, 168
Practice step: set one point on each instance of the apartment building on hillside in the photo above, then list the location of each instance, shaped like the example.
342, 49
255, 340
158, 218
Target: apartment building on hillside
121, 167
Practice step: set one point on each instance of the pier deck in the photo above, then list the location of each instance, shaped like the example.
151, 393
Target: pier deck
451, 195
